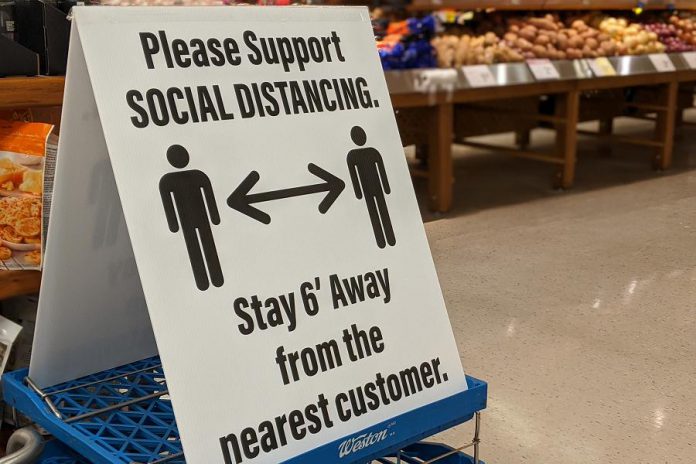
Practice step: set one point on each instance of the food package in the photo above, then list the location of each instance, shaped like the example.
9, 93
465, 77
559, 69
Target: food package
21, 310
8, 334
24, 149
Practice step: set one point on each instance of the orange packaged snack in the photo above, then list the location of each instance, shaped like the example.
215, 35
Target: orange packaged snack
23, 150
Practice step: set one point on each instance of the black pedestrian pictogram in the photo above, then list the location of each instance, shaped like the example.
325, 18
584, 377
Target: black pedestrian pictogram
189, 204
242, 200
370, 182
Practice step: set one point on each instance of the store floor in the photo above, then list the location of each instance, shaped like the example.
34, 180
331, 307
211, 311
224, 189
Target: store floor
578, 307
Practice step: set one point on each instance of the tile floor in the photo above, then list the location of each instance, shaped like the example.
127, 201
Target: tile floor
578, 307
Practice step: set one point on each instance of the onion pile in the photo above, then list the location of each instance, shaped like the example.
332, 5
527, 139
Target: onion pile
668, 34
632, 39
686, 29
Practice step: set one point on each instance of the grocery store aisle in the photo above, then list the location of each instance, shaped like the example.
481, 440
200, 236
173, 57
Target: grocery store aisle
579, 308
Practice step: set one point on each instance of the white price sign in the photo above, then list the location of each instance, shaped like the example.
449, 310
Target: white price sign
432, 80
690, 58
602, 67
543, 70
479, 76
662, 62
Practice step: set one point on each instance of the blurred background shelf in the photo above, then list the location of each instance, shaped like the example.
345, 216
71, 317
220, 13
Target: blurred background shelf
23, 92
17, 283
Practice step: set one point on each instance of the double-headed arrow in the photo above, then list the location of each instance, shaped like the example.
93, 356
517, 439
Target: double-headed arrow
242, 200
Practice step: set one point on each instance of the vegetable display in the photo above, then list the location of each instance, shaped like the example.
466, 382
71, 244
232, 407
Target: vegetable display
461, 39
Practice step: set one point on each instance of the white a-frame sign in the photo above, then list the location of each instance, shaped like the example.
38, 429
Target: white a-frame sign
232, 180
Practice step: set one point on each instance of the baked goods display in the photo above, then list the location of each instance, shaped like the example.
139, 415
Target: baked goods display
20, 223
23, 148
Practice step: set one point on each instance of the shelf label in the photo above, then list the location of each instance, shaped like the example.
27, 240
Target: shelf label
432, 80
479, 75
690, 58
543, 70
268, 205
601, 67
662, 62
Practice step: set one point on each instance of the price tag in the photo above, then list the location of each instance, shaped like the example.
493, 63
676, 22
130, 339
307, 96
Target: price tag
662, 62
690, 58
543, 70
431, 80
602, 67
479, 75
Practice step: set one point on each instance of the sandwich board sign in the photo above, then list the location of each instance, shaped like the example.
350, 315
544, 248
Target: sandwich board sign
231, 193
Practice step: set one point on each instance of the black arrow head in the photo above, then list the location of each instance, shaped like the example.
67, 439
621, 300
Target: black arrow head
334, 184
239, 199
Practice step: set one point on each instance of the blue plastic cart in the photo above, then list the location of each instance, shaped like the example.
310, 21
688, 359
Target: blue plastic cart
124, 416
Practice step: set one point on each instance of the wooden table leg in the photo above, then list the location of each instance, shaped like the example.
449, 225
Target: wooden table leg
523, 138
422, 155
568, 108
606, 126
664, 127
440, 171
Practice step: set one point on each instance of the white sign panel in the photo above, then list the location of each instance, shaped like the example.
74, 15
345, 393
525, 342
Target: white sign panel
272, 219
662, 62
543, 70
690, 58
479, 75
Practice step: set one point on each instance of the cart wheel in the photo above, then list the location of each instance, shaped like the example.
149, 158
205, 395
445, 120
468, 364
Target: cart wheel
24, 447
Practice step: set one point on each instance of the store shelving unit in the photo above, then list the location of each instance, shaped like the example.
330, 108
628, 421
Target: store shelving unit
28, 92
16, 283
436, 105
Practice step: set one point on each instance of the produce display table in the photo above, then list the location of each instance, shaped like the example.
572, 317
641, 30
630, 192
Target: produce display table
436, 92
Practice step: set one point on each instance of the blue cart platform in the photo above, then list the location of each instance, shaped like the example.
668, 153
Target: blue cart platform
124, 416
